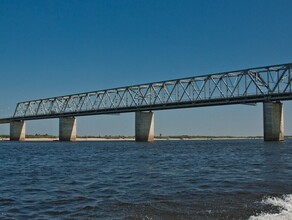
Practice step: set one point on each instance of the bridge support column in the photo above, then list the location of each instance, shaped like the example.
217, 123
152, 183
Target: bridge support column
144, 126
273, 121
17, 131
67, 129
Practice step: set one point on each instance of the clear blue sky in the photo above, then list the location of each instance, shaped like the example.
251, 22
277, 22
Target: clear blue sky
58, 47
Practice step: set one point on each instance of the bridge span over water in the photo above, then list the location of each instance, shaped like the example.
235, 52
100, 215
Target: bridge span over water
269, 85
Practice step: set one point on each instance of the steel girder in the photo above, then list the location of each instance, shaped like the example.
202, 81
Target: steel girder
268, 83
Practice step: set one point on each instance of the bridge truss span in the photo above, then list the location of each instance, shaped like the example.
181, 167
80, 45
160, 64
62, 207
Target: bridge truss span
268, 83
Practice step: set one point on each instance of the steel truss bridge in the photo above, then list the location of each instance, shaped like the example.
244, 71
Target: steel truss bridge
269, 83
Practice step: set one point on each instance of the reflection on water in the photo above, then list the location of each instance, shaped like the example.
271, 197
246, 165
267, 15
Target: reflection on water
162, 180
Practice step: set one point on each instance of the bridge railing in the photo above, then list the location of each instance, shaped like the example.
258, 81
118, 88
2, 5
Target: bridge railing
237, 85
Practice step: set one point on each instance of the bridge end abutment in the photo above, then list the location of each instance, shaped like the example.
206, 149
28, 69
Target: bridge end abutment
144, 126
17, 130
273, 121
67, 129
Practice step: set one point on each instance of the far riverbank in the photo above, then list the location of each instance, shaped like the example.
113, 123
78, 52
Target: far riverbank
124, 138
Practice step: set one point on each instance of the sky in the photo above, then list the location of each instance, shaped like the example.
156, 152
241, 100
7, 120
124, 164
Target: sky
58, 47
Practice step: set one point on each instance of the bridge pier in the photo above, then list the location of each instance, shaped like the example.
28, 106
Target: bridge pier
67, 129
17, 130
144, 126
273, 121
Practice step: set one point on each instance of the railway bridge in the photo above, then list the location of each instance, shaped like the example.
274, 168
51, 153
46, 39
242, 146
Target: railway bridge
269, 85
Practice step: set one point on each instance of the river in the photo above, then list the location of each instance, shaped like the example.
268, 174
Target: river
222, 179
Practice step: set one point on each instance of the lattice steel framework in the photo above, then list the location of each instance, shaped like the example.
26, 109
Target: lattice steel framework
268, 83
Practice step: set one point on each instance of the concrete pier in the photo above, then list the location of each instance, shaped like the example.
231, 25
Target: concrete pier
67, 129
144, 126
17, 131
273, 121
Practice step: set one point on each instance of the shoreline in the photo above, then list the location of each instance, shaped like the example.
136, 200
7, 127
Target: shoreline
156, 139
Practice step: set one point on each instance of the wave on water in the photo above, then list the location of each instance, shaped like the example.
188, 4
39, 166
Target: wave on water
285, 205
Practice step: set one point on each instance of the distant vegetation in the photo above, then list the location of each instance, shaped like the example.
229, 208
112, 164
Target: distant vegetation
40, 136
33, 136
107, 136
4, 136
185, 137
